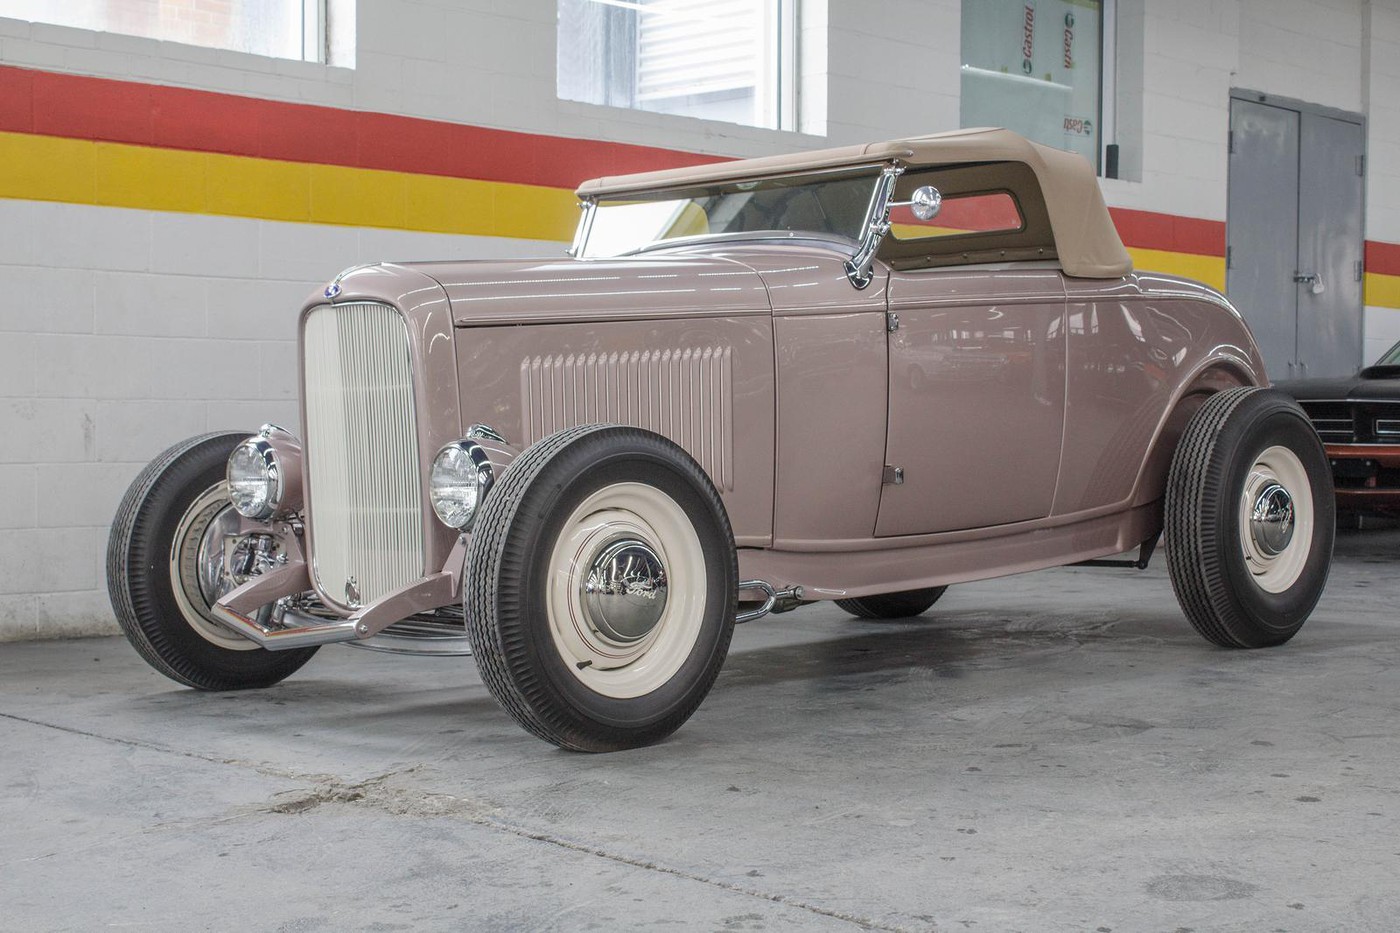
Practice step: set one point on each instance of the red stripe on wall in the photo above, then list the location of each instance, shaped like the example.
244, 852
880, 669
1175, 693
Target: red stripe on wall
17, 99
1150, 230
79, 107
1382, 257
106, 109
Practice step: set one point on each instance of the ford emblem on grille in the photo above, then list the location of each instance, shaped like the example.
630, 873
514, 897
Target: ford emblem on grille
332, 290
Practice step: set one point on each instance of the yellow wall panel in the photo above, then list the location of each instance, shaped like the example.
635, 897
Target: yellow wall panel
1207, 269
449, 205
358, 197
243, 187
150, 178
1382, 291
535, 213
47, 168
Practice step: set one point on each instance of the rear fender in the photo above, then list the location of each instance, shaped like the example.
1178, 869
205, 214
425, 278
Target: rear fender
1214, 376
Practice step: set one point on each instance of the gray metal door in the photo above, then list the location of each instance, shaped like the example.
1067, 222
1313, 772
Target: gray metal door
1330, 246
1262, 228
1294, 235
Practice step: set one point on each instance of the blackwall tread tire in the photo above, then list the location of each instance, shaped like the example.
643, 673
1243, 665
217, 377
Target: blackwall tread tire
502, 599
902, 605
1202, 535
140, 585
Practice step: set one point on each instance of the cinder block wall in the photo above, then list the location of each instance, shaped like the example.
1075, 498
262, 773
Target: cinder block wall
126, 326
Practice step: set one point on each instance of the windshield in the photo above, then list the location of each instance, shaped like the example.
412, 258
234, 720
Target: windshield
1392, 357
827, 203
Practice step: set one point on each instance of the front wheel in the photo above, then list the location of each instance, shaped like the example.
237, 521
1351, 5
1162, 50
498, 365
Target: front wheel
166, 566
601, 587
1250, 519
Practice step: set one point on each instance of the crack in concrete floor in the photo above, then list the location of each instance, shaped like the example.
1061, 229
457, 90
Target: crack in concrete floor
378, 793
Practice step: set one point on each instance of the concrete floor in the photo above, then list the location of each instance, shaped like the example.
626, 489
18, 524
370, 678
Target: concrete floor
1056, 751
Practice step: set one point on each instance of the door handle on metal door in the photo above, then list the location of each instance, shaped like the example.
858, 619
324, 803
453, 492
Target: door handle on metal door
1312, 279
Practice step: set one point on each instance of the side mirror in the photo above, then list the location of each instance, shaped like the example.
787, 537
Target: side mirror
924, 203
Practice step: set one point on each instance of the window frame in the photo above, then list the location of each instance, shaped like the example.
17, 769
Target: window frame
314, 44
778, 72
1104, 111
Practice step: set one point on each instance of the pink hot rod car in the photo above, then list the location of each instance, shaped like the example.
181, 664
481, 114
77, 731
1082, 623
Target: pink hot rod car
859, 375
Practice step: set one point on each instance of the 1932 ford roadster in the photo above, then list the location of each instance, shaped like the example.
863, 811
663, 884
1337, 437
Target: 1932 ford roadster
862, 374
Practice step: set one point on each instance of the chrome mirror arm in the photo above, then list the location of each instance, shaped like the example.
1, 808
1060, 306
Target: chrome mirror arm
877, 224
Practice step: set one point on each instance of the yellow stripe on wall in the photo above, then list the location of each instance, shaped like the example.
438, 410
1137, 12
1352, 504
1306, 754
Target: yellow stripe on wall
1207, 269
1382, 291
51, 168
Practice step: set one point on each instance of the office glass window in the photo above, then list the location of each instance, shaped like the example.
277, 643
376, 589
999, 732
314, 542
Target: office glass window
729, 60
293, 29
1036, 67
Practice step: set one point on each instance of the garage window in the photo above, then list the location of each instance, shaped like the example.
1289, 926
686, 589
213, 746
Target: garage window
1037, 67
295, 29
729, 60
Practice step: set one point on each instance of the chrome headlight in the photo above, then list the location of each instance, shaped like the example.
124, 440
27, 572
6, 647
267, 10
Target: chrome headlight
255, 479
462, 475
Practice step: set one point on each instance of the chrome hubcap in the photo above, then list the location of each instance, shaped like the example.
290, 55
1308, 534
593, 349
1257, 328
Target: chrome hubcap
199, 564
1271, 519
1275, 519
214, 579
624, 591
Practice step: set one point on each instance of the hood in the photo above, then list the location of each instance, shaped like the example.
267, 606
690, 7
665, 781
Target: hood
1391, 373
579, 291
1374, 382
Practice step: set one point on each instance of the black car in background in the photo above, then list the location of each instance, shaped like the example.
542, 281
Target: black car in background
1358, 419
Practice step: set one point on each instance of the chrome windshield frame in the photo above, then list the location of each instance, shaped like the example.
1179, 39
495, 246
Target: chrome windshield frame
860, 267
590, 205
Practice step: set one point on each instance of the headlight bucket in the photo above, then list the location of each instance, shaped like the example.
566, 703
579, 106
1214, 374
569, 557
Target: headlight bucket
264, 474
461, 477
255, 479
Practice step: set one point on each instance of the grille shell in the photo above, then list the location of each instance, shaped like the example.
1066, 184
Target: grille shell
363, 467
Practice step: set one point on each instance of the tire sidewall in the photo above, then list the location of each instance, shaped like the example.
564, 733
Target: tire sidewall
595, 462
1274, 422
156, 617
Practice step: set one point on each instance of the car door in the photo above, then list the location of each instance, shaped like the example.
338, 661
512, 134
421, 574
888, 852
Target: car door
976, 398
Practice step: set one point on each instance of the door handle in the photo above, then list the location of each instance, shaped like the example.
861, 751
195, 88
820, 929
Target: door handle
1312, 279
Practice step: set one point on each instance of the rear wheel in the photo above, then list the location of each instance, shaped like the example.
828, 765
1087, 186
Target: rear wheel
901, 605
601, 585
1250, 519
166, 566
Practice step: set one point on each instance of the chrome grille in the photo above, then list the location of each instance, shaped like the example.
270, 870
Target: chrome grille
1334, 422
361, 452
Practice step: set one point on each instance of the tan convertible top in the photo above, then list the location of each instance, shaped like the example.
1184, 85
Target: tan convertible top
1085, 239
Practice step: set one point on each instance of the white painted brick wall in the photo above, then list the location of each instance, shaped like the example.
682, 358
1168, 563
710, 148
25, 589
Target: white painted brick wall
123, 331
